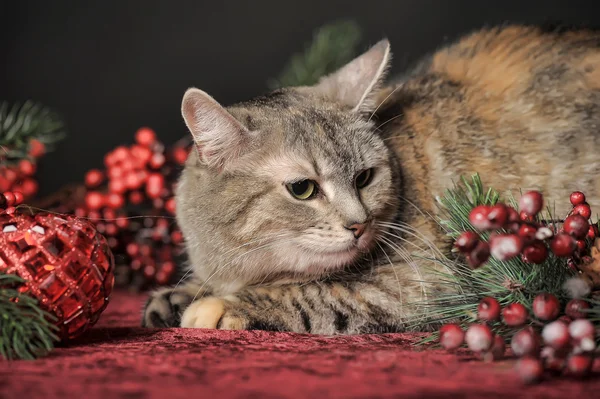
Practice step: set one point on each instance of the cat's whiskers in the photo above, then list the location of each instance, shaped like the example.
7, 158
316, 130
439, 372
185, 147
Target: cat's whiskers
400, 296
411, 231
383, 101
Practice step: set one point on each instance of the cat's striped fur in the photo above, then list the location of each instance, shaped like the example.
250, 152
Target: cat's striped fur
519, 105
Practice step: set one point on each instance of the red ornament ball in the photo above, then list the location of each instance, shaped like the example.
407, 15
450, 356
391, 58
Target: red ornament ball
479, 338
515, 315
531, 203
577, 198
66, 264
563, 245
576, 308
583, 210
451, 336
488, 309
546, 307
536, 252
467, 241
577, 226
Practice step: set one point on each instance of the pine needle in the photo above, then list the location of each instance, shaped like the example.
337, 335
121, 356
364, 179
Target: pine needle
26, 331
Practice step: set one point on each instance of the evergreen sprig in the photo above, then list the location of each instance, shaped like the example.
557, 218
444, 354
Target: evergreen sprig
332, 46
507, 281
20, 123
26, 331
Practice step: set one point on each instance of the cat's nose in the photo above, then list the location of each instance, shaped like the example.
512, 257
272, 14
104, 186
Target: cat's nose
357, 229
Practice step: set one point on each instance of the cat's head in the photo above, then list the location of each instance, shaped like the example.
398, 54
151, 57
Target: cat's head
289, 183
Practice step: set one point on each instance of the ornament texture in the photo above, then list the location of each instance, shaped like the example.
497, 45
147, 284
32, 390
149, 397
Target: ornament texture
66, 263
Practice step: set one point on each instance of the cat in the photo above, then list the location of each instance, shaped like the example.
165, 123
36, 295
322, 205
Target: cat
303, 209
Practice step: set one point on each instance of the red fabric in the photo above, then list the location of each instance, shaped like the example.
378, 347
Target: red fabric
118, 359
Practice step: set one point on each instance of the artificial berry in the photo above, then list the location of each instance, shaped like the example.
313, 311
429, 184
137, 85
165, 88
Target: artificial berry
115, 201
488, 309
451, 336
527, 231
94, 216
530, 369
180, 155
505, 246
169, 268
145, 136
513, 215
109, 214
93, 178
579, 365
581, 245
10, 198
27, 167
29, 187
577, 198
583, 210
498, 347
177, 237
142, 154
544, 233
514, 315
36, 148
525, 342
132, 181
94, 200
536, 252
111, 229
563, 245
122, 222
117, 186
18, 197
479, 217
498, 216
120, 153
479, 255
556, 335
467, 241
593, 232
170, 206
162, 277
576, 308
577, 226
479, 337
80, 212
149, 271
531, 203
582, 331
155, 185
546, 307
132, 249
157, 160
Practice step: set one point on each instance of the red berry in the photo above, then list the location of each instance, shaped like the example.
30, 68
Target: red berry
132, 249
479, 337
93, 178
80, 212
29, 187
27, 167
94, 200
536, 252
120, 153
563, 245
155, 185
498, 347
111, 229
479, 217
145, 250
133, 181
36, 148
530, 370
498, 215
525, 217
10, 198
170, 206
115, 201
546, 307
122, 222
583, 332
149, 271
556, 334
116, 172
10, 175
136, 198
145, 136
527, 231
581, 245
479, 255
157, 160
177, 237
577, 226
18, 197
531, 203
488, 309
513, 215
451, 336
525, 342
544, 233
515, 315
576, 308
580, 365
143, 154
577, 198
180, 155
94, 216
593, 232
117, 186
505, 246
162, 277
583, 210
467, 241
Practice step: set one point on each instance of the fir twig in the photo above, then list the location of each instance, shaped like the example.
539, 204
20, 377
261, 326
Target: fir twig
20, 123
26, 331
332, 47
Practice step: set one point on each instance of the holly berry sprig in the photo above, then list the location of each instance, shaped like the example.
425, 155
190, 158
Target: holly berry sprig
566, 344
522, 233
9, 200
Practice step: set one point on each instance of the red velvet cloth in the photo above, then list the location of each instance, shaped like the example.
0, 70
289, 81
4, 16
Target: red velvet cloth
118, 359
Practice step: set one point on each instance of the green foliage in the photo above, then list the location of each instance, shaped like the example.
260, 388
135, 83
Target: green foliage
508, 281
20, 123
332, 47
25, 330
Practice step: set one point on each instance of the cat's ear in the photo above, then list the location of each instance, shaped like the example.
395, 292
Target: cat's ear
354, 85
218, 136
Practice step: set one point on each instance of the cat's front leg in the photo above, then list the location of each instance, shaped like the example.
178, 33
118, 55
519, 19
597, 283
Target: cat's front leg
318, 308
165, 306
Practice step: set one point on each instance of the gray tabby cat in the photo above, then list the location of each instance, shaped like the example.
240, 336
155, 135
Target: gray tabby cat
303, 210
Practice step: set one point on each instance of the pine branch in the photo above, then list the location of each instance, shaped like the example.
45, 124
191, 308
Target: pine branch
332, 47
22, 123
26, 331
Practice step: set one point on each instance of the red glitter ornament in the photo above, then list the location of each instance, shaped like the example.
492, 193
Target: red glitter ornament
66, 264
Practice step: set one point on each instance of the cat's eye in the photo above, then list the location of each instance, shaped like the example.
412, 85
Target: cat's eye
303, 189
364, 178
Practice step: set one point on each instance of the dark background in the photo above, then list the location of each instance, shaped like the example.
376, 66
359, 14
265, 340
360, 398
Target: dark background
110, 67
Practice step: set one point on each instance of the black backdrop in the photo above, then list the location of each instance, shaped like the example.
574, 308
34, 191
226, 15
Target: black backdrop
111, 66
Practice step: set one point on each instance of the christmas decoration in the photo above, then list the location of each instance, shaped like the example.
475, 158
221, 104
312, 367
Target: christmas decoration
547, 296
27, 131
61, 261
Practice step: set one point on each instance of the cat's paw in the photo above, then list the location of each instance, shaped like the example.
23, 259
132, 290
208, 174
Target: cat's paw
214, 312
164, 308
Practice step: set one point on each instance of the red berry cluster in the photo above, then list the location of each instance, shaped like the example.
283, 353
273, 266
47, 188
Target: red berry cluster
19, 177
522, 233
565, 344
131, 202
8, 201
